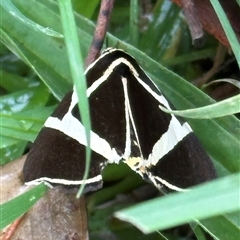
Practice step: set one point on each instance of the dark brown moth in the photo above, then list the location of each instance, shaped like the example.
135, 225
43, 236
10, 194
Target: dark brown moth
127, 125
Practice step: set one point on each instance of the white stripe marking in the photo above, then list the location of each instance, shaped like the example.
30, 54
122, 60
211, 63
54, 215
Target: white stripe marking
129, 113
127, 150
105, 52
47, 181
165, 183
73, 128
175, 133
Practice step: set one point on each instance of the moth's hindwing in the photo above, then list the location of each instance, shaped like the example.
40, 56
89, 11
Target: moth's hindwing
127, 124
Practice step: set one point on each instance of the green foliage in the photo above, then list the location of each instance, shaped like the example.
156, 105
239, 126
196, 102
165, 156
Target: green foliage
11, 210
187, 206
228, 29
36, 37
77, 72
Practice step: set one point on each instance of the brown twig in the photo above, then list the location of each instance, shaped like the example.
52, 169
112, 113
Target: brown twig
193, 22
7, 235
210, 21
100, 31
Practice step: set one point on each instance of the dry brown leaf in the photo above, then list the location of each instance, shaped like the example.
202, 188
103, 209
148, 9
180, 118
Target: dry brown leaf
57, 215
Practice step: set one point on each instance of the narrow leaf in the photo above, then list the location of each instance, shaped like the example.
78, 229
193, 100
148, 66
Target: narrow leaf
14, 208
217, 197
233, 41
76, 66
8, 5
234, 82
220, 109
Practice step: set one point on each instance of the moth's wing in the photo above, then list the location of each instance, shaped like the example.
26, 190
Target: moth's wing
187, 164
58, 158
183, 164
59, 150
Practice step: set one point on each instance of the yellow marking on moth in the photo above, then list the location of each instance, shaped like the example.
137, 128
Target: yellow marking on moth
135, 164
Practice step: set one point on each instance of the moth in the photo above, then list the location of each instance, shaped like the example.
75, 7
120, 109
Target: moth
127, 126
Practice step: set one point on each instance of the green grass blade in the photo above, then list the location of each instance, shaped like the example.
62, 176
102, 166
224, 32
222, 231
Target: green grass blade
23, 126
9, 6
204, 201
234, 82
77, 71
134, 16
233, 41
14, 208
220, 109
222, 227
